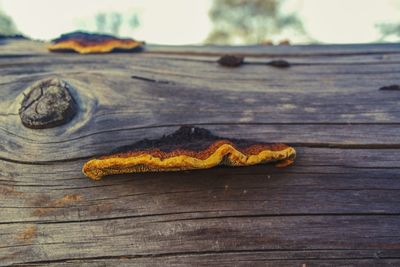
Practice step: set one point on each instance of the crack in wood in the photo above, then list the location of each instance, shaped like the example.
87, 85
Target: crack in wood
375, 255
150, 80
282, 215
296, 145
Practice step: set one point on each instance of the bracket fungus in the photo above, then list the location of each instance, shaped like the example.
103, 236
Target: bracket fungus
92, 43
231, 61
280, 63
393, 87
188, 148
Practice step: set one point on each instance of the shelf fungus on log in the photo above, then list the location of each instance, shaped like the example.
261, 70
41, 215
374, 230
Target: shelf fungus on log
188, 148
91, 43
231, 61
280, 63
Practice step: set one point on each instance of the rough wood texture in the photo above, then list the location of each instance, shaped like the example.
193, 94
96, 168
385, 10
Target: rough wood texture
337, 205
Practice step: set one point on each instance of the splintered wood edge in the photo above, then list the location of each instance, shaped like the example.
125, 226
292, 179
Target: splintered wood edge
101, 47
220, 152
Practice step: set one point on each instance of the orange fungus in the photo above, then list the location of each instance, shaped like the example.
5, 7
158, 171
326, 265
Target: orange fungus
188, 148
91, 43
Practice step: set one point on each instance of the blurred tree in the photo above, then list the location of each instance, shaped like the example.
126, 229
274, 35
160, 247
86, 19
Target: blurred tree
116, 21
389, 30
101, 20
111, 23
249, 21
134, 21
7, 26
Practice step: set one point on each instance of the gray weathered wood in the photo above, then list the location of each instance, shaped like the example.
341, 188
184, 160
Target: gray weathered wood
337, 205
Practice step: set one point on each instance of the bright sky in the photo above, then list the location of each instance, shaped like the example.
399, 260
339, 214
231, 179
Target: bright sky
346, 21
187, 22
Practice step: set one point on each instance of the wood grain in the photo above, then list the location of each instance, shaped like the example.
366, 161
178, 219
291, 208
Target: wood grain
337, 205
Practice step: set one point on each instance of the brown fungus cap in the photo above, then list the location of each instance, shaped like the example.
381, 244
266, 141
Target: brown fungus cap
188, 148
92, 43
231, 61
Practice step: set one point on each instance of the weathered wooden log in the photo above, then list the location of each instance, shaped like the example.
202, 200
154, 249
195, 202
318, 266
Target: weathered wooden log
337, 205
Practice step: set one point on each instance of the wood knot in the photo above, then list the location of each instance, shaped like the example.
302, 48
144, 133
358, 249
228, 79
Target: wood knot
47, 103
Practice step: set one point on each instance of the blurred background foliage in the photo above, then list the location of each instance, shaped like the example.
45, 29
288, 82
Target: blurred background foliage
250, 21
388, 30
111, 22
7, 26
230, 22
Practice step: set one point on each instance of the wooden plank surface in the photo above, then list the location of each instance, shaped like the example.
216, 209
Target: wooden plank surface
337, 205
